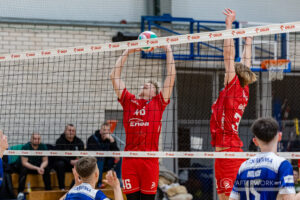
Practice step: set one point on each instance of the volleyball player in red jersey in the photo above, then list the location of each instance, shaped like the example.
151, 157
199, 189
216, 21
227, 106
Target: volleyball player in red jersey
142, 122
228, 110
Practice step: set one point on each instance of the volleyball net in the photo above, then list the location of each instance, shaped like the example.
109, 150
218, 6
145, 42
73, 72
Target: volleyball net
43, 91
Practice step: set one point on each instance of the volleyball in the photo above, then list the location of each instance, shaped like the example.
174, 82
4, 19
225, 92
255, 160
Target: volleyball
147, 35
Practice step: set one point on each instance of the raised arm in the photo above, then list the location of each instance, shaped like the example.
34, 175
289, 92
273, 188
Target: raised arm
171, 74
115, 74
3, 143
246, 58
229, 50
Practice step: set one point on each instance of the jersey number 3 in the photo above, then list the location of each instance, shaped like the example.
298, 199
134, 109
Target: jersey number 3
235, 125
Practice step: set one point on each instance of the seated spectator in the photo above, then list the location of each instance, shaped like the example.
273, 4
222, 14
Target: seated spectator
102, 140
296, 180
34, 164
3, 147
68, 141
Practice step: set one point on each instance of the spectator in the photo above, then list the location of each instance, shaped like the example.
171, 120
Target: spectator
68, 141
102, 140
34, 164
296, 180
3, 147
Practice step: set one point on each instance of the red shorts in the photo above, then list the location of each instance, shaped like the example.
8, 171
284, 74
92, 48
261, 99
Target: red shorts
140, 174
226, 171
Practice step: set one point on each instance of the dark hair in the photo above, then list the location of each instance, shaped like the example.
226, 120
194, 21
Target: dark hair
86, 166
105, 124
265, 129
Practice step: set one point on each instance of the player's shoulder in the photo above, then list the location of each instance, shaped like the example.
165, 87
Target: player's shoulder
101, 196
84, 189
267, 160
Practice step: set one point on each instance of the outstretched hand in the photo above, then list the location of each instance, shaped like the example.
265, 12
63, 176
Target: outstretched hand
248, 40
112, 179
166, 48
230, 15
133, 50
3, 143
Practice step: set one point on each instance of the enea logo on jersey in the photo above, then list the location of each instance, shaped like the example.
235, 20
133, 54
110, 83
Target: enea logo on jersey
137, 122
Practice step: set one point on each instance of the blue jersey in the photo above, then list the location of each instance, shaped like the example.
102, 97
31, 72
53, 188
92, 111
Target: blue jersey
1, 171
85, 191
263, 177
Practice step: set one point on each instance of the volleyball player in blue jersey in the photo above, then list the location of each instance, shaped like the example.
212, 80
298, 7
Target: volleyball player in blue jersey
88, 173
3, 147
265, 176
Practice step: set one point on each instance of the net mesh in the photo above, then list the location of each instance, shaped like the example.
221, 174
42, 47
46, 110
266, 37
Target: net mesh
43, 91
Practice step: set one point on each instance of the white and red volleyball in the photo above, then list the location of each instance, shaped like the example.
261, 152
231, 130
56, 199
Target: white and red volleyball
147, 35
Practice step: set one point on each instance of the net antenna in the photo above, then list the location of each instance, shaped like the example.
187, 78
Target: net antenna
276, 68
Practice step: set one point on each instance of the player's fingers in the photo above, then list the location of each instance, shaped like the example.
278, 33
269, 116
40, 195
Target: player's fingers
225, 13
231, 11
114, 175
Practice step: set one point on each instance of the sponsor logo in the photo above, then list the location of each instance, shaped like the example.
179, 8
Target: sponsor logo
2, 57
238, 32
83, 153
250, 154
15, 55
295, 155
172, 39
53, 153
209, 154
230, 154
133, 124
113, 45
99, 154
133, 154
188, 154
151, 154
61, 51
170, 154
153, 185
193, 37
287, 27
45, 52
215, 35
30, 54
68, 153
261, 30
152, 41
95, 48
25, 152
78, 49
38, 153
132, 44
116, 154
226, 183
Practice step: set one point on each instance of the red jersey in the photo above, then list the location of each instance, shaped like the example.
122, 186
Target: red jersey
142, 121
227, 112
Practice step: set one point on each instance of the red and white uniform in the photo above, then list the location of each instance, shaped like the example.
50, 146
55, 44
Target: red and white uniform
227, 112
142, 123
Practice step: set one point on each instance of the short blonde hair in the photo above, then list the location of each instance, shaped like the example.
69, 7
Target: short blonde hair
156, 85
244, 73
